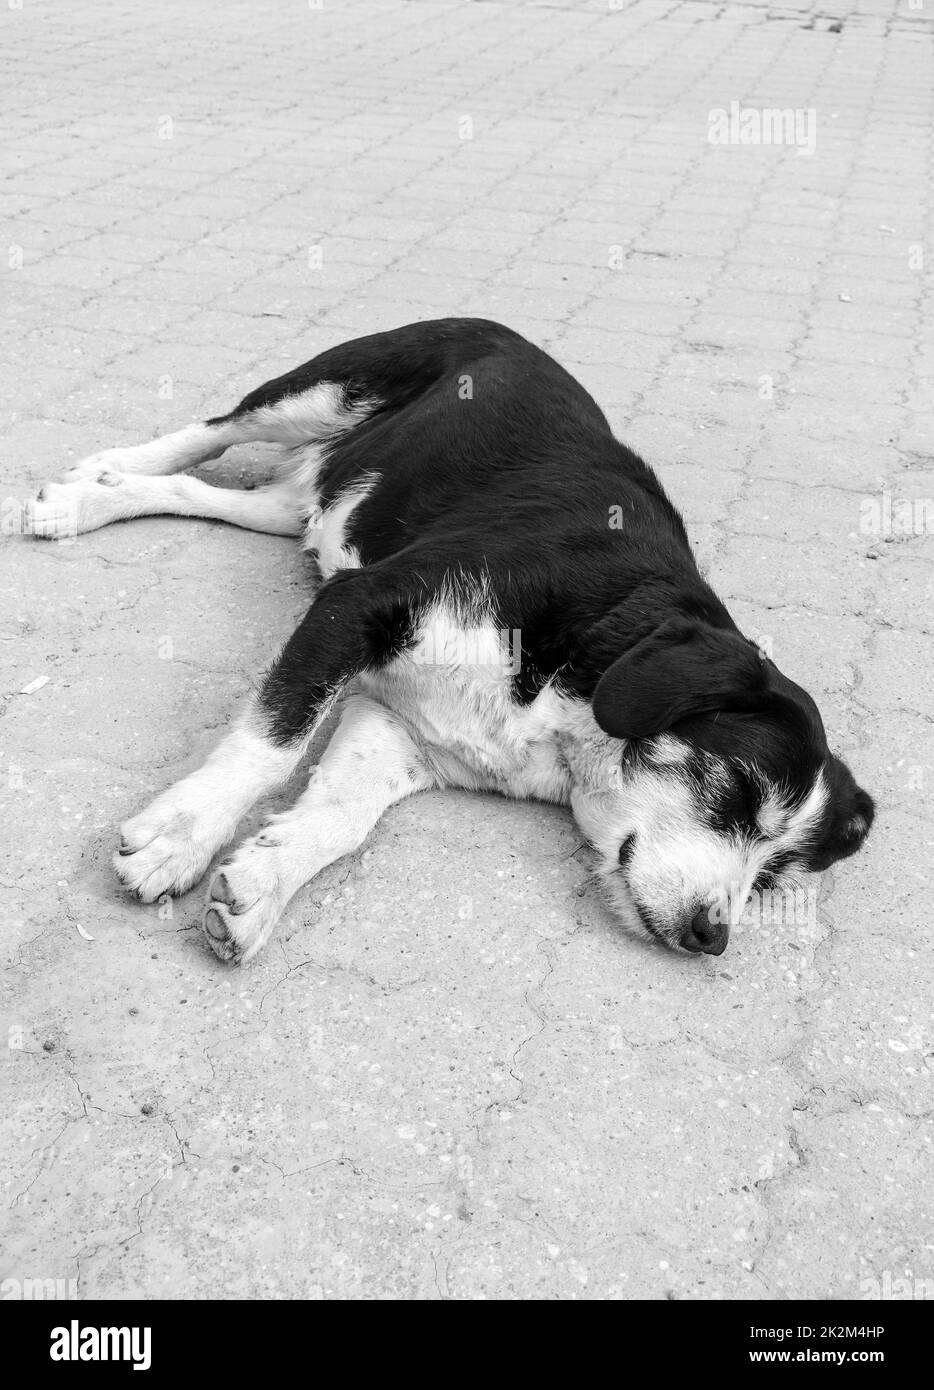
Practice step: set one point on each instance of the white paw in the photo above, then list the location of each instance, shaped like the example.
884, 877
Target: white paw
245, 901
167, 848
106, 461
68, 509
54, 514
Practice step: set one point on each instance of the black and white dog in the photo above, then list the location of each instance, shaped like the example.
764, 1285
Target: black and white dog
518, 602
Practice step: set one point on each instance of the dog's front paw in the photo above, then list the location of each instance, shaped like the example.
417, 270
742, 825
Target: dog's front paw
164, 850
245, 901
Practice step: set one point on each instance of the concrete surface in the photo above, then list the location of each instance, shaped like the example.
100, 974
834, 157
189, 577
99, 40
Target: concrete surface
450, 1076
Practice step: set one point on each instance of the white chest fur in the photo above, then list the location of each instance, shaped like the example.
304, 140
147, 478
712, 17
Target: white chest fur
453, 688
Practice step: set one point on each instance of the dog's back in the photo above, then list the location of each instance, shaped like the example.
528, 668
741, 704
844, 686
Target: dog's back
462, 444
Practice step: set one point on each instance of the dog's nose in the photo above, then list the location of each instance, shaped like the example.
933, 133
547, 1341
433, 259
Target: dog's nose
701, 934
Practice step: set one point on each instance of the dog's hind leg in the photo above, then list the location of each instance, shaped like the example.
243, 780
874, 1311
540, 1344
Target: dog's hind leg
170, 453
63, 510
370, 763
122, 483
315, 414
315, 402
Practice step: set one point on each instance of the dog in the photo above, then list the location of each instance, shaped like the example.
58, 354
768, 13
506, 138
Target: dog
516, 602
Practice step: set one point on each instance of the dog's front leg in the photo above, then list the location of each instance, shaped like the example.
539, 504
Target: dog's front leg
355, 622
168, 846
370, 763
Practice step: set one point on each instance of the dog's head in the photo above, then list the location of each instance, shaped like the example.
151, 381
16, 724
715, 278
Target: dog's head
725, 784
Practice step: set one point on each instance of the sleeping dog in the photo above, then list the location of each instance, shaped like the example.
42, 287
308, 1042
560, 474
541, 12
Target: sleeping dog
516, 601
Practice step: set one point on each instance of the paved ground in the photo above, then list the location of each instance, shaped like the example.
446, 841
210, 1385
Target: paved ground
450, 1075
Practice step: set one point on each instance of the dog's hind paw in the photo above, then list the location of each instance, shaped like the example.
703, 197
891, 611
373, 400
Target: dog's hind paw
96, 467
65, 510
54, 515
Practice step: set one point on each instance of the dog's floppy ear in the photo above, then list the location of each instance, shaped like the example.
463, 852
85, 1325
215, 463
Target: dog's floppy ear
850, 817
682, 669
